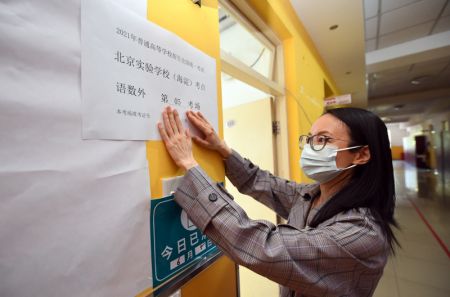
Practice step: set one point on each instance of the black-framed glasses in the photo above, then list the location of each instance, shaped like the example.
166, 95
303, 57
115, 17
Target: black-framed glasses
316, 142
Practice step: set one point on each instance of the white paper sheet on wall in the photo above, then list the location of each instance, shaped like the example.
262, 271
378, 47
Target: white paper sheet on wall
131, 69
74, 214
139, 7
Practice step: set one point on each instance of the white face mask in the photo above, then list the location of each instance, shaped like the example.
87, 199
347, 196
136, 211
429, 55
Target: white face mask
321, 165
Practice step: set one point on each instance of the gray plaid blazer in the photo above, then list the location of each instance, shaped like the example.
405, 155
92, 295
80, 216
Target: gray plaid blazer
343, 256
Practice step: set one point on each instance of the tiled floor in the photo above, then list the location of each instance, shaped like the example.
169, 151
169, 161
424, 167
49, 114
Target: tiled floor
421, 267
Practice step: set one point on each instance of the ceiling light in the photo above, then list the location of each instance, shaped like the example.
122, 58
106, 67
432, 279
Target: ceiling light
420, 80
334, 27
398, 106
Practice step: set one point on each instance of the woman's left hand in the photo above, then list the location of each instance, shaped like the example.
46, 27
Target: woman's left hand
177, 139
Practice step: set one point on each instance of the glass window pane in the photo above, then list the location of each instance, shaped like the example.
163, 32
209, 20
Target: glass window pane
238, 42
236, 92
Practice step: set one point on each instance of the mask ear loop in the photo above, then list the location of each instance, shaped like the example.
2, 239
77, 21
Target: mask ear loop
351, 166
349, 148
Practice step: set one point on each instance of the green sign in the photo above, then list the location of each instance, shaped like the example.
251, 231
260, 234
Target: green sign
176, 243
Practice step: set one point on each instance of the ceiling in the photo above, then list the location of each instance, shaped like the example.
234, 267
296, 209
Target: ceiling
406, 53
342, 49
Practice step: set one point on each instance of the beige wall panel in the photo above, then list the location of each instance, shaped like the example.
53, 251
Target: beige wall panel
248, 130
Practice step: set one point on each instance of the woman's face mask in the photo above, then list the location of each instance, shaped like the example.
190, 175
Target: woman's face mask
321, 165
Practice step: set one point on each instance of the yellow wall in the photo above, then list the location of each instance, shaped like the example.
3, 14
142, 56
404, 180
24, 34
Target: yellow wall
218, 280
305, 74
397, 152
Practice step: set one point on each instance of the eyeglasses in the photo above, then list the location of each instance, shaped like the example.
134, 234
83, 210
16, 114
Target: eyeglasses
317, 142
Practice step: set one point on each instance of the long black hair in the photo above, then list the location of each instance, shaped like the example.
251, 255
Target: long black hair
372, 184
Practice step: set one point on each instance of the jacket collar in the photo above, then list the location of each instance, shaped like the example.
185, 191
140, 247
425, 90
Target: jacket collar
310, 191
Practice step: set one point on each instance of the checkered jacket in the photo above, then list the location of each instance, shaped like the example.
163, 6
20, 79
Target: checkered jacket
343, 256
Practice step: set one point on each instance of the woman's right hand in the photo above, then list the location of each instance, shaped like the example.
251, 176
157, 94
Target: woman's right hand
209, 139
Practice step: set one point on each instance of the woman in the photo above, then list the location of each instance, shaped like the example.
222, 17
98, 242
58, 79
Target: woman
338, 232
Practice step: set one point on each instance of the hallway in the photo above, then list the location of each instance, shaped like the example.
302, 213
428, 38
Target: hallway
421, 266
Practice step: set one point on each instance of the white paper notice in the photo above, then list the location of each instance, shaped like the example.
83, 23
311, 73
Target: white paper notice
131, 69
137, 6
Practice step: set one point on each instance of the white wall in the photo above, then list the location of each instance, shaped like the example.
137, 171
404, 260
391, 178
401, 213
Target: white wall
396, 134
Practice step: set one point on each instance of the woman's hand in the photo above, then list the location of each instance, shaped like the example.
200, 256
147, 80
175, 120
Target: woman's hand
177, 139
210, 139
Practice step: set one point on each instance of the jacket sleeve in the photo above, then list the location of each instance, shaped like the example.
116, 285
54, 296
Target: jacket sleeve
316, 262
274, 192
